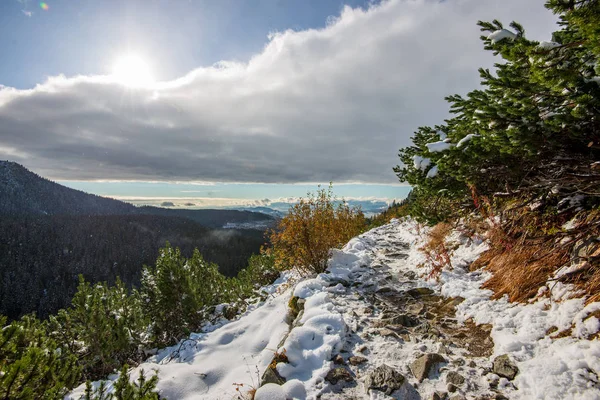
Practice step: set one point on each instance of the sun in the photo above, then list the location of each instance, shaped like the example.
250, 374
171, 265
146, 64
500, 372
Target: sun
132, 70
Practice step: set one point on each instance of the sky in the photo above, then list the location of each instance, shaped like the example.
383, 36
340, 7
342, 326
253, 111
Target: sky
259, 99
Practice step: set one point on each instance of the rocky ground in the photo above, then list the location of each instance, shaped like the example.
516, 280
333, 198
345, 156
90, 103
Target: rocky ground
404, 340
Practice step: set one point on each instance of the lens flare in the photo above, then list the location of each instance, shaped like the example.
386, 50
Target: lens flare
44, 6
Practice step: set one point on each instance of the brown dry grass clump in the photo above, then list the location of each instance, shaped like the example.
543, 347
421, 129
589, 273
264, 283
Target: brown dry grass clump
436, 250
528, 248
521, 270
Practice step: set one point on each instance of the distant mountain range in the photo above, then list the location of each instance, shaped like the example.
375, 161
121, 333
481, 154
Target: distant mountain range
49, 234
23, 192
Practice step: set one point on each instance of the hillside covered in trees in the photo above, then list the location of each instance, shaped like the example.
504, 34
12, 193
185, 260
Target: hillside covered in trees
50, 234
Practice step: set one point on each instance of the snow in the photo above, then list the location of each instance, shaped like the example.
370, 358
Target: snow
210, 363
548, 45
466, 139
442, 135
551, 366
500, 35
433, 172
290, 390
421, 162
438, 146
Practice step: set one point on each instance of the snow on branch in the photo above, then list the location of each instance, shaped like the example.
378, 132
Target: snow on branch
502, 34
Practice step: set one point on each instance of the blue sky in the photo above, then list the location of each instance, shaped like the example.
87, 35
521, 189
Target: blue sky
85, 36
255, 97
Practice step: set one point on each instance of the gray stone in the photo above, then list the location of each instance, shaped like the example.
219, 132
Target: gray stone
338, 360
424, 365
404, 320
451, 388
357, 360
415, 309
418, 292
385, 379
504, 367
389, 333
272, 376
339, 374
584, 248
455, 378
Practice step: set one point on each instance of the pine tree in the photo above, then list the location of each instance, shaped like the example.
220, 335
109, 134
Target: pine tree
124, 389
533, 130
32, 365
177, 293
105, 327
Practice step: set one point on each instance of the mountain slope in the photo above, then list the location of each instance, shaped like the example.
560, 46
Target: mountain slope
374, 323
23, 192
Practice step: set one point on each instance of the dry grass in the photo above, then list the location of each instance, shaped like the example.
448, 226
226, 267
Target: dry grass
436, 250
520, 271
528, 248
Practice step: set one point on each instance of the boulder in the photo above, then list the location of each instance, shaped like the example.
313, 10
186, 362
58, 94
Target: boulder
339, 374
272, 376
357, 360
504, 367
421, 291
455, 378
424, 365
384, 379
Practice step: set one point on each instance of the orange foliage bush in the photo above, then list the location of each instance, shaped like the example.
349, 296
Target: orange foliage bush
315, 225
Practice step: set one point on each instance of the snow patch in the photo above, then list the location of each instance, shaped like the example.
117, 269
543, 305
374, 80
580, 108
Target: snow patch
499, 35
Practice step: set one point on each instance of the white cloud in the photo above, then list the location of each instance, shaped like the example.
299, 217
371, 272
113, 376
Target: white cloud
314, 106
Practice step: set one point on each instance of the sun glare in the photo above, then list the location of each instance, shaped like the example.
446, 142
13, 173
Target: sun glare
132, 70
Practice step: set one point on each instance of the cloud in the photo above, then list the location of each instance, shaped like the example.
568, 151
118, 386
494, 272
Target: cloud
333, 104
27, 13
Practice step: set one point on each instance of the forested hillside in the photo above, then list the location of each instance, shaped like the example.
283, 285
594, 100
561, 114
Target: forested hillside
49, 234
42, 256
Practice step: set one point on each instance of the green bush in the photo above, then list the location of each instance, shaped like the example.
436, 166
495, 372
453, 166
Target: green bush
177, 294
105, 327
124, 389
33, 365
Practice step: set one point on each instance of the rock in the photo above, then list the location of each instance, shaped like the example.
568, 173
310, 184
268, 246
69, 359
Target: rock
415, 309
459, 362
339, 374
389, 333
404, 320
583, 249
338, 360
385, 379
272, 376
504, 367
472, 364
424, 365
455, 378
458, 397
451, 388
357, 360
418, 292
362, 349
439, 396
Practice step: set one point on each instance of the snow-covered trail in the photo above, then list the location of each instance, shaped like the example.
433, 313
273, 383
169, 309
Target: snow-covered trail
373, 320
